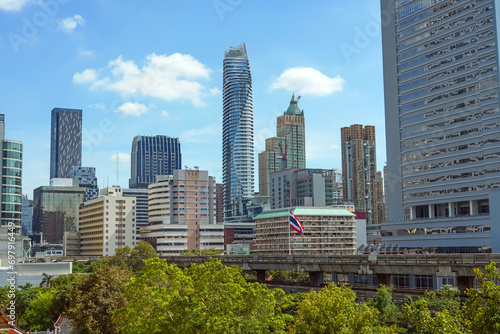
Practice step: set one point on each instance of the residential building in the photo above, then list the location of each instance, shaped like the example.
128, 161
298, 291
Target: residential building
287, 149
26, 216
327, 231
361, 185
237, 133
55, 211
152, 156
182, 213
219, 203
442, 124
106, 223
304, 187
86, 178
141, 208
65, 141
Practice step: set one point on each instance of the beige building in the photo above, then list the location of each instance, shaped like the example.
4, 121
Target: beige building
182, 213
106, 223
326, 231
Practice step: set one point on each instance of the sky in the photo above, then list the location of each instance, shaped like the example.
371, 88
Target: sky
155, 68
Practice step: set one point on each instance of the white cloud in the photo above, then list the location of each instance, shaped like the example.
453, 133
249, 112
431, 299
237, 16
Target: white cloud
133, 109
13, 5
86, 76
307, 80
201, 135
164, 113
101, 106
171, 78
121, 157
70, 24
85, 53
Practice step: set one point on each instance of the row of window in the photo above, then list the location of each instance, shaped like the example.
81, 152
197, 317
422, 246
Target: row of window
452, 191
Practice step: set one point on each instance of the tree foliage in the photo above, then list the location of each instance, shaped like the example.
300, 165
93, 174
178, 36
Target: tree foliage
202, 252
288, 276
206, 298
39, 314
389, 313
128, 258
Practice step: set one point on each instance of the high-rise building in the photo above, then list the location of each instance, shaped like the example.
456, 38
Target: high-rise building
219, 203
12, 162
26, 216
304, 187
151, 156
106, 223
359, 171
141, 208
237, 134
442, 116
287, 149
182, 213
65, 142
86, 178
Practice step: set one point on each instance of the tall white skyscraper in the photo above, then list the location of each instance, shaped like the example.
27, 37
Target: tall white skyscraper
237, 134
443, 124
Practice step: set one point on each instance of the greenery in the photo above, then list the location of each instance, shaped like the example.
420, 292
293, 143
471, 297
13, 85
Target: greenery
203, 252
288, 276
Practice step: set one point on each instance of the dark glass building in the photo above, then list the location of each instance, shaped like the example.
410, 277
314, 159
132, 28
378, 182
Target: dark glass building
151, 156
65, 142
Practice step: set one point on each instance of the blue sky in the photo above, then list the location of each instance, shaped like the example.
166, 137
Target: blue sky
155, 67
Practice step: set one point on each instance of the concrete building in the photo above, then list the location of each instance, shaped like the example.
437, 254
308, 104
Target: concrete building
304, 187
106, 223
55, 211
240, 233
442, 115
26, 216
237, 133
182, 213
287, 149
65, 141
152, 156
141, 208
326, 231
86, 178
219, 203
361, 184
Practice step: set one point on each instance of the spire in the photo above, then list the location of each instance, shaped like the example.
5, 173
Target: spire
293, 109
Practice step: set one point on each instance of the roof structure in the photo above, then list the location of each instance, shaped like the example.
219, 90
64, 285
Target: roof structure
294, 109
305, 211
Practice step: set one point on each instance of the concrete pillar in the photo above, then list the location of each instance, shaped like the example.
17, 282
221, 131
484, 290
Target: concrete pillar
431, 211
316, 278
384, 279
464, 282
451, 209
412, 213
473, 208
261, 276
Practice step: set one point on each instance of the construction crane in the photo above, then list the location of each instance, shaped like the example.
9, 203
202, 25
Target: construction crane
283, 156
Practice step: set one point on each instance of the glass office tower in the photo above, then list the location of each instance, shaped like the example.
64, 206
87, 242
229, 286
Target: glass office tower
65, 142
237, 134
443, 124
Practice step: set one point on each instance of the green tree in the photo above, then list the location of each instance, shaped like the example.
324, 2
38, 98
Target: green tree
334, 310
483, 307
128, 258
80, 268
445, 299
47, 280
95, 297
288, 276
203, 252
39, 315
206, 298
389, 313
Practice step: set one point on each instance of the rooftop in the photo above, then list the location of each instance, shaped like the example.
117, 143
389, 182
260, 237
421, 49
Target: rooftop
306, 211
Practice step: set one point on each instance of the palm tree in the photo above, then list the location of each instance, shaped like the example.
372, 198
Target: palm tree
47, 280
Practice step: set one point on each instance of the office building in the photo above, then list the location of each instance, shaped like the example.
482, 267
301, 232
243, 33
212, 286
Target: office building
65, 141
304, 187
152, 156
361, 185
182, 213
219, 203
287, 149
141, 208
26, 216
442, 124
106, 223
327, 231
237, 134
86, 178
55, 211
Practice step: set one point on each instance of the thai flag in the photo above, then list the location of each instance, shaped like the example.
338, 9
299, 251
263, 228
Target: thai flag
296, 225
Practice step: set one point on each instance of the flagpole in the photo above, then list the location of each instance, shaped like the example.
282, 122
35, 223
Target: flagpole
289, 241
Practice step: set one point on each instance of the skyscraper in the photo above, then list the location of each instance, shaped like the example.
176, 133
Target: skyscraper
237, 133
151, 156
442, 124
86, 178
359, 171
12, 162
65, 142
287, 149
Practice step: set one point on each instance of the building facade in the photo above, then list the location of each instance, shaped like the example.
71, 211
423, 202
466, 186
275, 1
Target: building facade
182, 213
65, 141
360, 181
304, 187
55, 211
237, 133
86, 178
287, 149
26, 216
327, 231
141, 208
442, 124
106, 223
151, 156
219, 203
